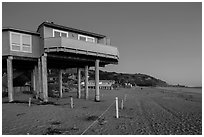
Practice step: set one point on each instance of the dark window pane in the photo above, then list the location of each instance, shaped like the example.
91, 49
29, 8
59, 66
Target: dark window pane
63, 35
82, 38
90, 39
56, 34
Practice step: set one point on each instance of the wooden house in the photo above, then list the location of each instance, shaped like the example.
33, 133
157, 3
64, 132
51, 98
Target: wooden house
54, 46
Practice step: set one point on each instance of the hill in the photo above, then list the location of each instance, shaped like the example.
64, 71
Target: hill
135, 79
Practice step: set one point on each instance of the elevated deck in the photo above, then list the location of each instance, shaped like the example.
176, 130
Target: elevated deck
63, 44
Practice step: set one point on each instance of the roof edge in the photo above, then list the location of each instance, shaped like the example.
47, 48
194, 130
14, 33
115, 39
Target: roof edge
19, 30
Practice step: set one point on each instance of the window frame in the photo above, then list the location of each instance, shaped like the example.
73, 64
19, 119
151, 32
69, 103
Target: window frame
94, 40
21, 42
60, 31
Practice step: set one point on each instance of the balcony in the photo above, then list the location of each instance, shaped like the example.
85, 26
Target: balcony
56, 44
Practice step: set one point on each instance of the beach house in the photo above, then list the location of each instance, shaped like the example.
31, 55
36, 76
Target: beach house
53, 46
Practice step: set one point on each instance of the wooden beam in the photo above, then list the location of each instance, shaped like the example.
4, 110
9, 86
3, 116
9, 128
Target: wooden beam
44, 77
69, 57
79, 83
10, 78
60, 83
86, 82
25, 58
97, 94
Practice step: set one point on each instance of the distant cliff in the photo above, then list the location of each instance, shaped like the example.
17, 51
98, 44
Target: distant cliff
135, 79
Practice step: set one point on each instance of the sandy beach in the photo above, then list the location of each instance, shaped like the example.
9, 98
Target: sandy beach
146, 111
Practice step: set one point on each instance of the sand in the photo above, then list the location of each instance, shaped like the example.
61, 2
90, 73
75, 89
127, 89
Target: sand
146, 111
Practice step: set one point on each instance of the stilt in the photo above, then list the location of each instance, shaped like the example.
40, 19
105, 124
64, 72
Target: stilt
86, 82
10, 78
79, 83
60, 83
44, 77
39, 87
97, 94
32, 80
35, 80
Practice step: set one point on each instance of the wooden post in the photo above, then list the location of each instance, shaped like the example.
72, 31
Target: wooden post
97, 94
35, 78
10, 78
86, 82
122, 105
60, 83
39, 87
72, 103
36, 81
32, 80
79, 83
29, 102
116, 106
44, 77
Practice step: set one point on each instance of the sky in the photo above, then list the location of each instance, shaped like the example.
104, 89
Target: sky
163, 40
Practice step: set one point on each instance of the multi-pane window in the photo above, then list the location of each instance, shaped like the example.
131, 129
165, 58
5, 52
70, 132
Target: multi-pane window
59, 33
20, 42
86, 38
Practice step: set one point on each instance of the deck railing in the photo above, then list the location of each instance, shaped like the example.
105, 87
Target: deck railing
97, 48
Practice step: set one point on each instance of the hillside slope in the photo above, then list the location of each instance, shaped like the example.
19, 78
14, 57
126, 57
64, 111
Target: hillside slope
135, 79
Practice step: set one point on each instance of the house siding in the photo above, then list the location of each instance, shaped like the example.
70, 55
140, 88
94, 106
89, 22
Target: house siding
48, 32
6, 46
5, 43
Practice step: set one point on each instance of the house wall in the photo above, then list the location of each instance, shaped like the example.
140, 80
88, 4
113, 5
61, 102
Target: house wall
5, 43
48, 32
6, 46
41, 41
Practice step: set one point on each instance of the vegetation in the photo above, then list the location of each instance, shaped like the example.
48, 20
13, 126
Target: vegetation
134, 79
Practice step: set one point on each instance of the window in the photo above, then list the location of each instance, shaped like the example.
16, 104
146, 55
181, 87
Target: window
86, 38
20, 42
15, 42
59, 33
82, 38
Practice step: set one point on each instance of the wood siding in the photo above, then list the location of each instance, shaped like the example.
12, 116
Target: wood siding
6, 46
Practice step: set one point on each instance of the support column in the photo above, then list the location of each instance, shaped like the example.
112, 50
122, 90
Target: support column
33, 79
35, 88
44, 77
39, 83
97, 94
86, 82
60, 83
79, 83
10, 78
